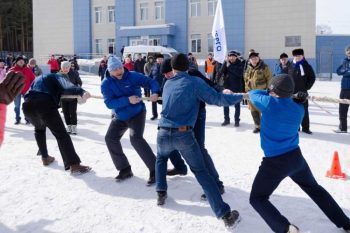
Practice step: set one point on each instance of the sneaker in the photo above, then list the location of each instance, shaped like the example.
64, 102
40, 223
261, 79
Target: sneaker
78, 169
339, 131
256, 130
47, 160
226, 122
162, 195
292, 229
174, 172
307, 131
69, 129
236, 124
221, 189
154, 118
74, 129
124, 174
231, 219
152, 178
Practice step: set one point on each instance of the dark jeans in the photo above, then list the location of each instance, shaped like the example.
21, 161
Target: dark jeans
306, 122
199, 133
343, 110
42, 113
115, 132
237, 112
291, 164
154, 109
69, 108
169, 140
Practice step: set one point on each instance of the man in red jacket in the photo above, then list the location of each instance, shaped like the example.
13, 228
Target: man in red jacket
28, 79
54, 66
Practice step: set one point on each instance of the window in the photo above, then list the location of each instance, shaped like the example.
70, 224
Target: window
195, 8
159, 7
154, 41
111, 46
196, 46
292, 41
111, 14
210, 43
143, 11
212, 7
98, 44
98, 14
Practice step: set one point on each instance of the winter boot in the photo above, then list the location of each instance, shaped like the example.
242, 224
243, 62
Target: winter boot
175, 171
256, 119
231, 219
124, 173
47, 160
226, 122
74, 129
292, 229
256, 130
162, 195
347, 227
221, 189
69, 129
307, 131
152, 178
78, 169
237, 124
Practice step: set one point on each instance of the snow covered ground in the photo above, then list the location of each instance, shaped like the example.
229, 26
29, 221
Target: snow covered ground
39, 199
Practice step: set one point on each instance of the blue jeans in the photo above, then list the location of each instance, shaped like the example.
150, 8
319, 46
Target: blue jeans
291, 164
169, 140
17, 101
199, 133
237, 112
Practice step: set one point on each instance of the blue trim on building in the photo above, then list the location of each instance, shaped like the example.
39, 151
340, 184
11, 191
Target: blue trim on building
82, 26
234, 16
124, 16
176, 12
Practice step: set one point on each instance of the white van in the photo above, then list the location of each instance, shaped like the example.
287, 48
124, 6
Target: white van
146, 51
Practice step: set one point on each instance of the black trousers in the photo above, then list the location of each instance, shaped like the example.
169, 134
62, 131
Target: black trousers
306, 121
69, 108
154, 109
115, 132
343, 110
42, 113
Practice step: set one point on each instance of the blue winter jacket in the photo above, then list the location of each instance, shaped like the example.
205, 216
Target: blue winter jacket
181, 98
54, 85
344, 70
280, 121
116, 93
279, 70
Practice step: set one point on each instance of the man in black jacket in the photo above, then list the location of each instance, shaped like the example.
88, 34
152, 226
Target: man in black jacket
304, 78
232, 74
139, 64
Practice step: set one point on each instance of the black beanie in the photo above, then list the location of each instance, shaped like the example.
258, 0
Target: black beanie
180, 62
165, 67
283, 55
282, 85
19, 58
297, 52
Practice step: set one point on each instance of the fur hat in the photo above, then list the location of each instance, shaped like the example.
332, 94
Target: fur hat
282, 85
165, 67
297, 52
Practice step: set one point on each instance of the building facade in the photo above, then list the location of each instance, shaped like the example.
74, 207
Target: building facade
104, 26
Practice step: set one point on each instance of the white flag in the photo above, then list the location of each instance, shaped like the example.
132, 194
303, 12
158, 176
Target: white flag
218, 32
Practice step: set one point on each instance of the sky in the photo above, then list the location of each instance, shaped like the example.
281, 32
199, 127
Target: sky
334, 13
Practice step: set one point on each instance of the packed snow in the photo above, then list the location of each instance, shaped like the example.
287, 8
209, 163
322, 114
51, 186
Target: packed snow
41, 199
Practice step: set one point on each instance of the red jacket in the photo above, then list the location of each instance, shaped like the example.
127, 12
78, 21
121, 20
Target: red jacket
129, 66
2, 122
28, 76
53, 64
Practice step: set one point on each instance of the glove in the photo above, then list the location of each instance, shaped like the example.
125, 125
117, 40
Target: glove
300, 97
85, 96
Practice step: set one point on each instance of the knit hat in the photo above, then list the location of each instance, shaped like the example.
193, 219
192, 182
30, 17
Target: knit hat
253, 54
180, 62
282, 85
159, 55
283, 55
114, 63
233, 53
19, 58
65, 64
165, 67
297, 52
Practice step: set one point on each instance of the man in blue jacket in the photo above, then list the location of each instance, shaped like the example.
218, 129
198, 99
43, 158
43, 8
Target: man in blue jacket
281, 117
181, 99
121, 91
344, 70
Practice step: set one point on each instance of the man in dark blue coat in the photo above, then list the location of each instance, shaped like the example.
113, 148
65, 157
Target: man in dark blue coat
159, 77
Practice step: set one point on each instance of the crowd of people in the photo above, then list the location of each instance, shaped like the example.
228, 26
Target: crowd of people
277, 101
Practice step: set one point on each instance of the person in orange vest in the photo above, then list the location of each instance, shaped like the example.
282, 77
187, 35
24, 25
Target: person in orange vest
209, 67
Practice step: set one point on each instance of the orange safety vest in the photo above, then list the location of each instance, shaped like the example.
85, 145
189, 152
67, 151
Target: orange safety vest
210, 66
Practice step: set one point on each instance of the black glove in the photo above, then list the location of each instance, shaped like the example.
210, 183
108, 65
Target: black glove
300, 97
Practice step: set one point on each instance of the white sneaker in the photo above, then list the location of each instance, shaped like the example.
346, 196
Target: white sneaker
293, 229
69, 129
74, 129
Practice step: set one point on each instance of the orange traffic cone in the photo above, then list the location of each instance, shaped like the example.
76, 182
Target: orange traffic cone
335, 171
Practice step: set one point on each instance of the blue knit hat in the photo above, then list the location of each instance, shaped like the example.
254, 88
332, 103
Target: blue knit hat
114, 63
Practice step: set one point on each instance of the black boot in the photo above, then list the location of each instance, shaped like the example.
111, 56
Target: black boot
152, 178
256, 130
125, 173
256, 119
226, 122
231, 219
307, 131
175, 171
347, 227
162, 195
